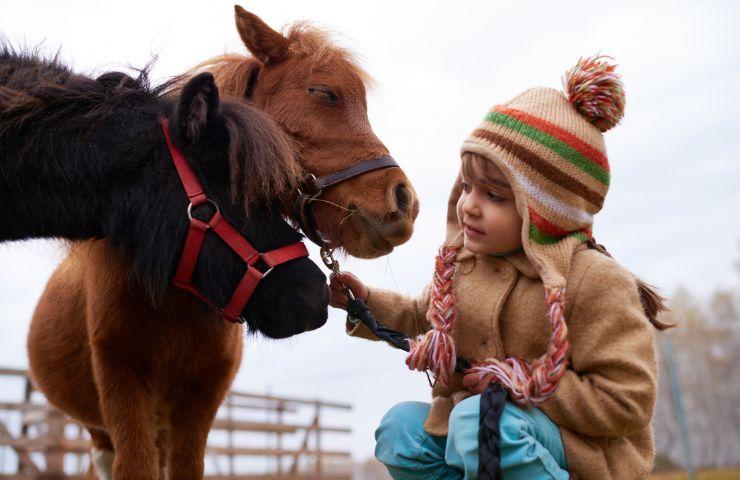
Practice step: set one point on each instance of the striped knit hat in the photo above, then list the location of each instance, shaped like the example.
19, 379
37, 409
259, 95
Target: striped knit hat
551, 149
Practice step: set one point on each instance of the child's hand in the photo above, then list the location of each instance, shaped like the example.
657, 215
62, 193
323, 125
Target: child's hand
344, 280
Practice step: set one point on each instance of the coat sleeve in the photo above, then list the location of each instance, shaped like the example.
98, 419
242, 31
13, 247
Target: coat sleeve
396, 311
610, 388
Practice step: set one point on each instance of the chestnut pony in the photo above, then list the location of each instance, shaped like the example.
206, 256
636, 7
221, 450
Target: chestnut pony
316, 92
166, 365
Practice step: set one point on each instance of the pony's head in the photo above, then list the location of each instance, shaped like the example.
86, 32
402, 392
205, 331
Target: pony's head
247, 167
316, 92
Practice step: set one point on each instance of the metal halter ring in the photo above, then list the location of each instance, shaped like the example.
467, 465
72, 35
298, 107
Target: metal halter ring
208, 200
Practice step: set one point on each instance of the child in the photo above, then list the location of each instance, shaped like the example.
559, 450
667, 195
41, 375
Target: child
516, 278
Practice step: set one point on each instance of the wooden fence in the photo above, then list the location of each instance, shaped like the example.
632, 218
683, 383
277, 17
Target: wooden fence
291, 443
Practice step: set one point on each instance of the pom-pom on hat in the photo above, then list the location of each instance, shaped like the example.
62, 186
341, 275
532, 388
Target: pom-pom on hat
596, 90
550, 147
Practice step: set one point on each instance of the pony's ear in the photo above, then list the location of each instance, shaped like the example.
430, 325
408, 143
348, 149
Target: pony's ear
267, 45
198, 107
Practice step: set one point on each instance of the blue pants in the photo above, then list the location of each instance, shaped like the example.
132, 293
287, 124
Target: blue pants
531, 446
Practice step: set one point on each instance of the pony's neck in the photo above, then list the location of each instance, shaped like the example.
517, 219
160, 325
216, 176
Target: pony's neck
68, 147
45, 203
62, 187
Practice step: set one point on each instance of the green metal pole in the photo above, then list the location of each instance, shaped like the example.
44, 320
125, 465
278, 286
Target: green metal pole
678, 406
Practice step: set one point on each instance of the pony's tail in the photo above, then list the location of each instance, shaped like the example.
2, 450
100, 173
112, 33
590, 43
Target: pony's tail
653, 303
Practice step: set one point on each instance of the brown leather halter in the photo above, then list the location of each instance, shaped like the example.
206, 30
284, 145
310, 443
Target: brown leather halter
312, 187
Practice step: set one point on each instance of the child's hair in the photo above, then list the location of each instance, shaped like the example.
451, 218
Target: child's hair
652, 302
477, 169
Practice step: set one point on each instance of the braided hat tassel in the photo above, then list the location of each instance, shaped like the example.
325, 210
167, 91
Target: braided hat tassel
532, 384
435, 350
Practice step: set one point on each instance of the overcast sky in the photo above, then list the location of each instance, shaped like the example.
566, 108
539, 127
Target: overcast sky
670, 216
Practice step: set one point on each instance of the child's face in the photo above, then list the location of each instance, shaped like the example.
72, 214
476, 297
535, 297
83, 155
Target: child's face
487, 213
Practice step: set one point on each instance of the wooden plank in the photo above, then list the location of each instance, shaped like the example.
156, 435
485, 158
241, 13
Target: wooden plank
19, 476
24, 459
275, 477
46, 444
25, 407
256, 404
247, 426
82, 446
271, 452
300, 401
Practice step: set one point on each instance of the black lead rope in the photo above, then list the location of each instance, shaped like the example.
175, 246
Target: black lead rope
359, 313
492, 400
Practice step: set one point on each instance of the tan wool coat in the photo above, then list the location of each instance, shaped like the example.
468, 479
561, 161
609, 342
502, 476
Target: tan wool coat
604, 403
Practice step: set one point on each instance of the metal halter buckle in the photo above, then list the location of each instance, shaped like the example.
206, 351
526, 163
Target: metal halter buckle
327, 256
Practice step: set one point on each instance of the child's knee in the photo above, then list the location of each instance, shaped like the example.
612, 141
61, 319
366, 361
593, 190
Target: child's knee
514, 424
462, 441
402, 420
403, 445
465, 413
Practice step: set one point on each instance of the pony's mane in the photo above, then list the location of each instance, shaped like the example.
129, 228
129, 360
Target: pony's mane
271, 173
38, 93
232, 70
38, 88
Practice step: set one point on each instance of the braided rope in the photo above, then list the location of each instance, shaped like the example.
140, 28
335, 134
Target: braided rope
531, 384
435, 350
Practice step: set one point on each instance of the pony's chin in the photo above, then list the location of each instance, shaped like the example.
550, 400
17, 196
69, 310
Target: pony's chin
287, 322
373, 239
277, 331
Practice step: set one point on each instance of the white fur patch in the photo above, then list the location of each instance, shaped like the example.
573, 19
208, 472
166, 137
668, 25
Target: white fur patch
103, 462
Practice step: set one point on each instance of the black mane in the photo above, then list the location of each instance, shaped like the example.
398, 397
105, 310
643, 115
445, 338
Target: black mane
84, 158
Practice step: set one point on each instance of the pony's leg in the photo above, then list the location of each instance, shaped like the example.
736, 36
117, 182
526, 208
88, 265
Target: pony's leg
191, 421
127, 407
122, 361
101, 456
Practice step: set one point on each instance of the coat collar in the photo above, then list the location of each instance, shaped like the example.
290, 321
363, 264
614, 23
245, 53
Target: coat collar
518, 260
521, 262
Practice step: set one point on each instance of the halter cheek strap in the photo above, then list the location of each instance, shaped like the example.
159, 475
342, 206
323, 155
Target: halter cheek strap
223, 229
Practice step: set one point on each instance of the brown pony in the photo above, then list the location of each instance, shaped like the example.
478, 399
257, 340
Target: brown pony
316, 93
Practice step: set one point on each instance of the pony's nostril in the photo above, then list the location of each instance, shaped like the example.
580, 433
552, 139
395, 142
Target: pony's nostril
403, 198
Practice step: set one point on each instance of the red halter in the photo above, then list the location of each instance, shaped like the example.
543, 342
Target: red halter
221, 227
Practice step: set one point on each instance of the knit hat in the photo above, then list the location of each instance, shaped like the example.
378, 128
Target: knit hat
550, 148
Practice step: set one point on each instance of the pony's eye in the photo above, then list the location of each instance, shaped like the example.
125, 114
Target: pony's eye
323, 93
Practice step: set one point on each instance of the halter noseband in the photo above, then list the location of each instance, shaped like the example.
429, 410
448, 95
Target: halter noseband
312, 186
230, 235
